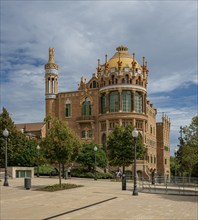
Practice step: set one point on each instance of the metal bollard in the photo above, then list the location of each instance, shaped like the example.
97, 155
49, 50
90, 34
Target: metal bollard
27, 183
123, 182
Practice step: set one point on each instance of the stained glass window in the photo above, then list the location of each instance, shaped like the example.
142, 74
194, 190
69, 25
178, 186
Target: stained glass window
103, 103
114, 101
138, 102
126, 101
86, 107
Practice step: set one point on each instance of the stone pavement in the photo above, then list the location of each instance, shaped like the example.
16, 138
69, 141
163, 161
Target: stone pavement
101, 199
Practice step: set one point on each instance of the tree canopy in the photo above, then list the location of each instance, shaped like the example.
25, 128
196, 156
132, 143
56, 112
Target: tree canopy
120, 147
61, 144
187, 155
87, 157
20, 150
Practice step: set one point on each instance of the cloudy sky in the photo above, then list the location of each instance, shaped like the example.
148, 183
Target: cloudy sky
165, 32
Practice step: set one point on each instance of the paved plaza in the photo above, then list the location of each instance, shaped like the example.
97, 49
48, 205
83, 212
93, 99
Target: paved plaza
101, 199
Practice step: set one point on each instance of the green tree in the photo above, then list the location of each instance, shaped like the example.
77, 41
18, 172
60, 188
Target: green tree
61, 144
21, 150
87, 157
174, 166
188, 152
120, 147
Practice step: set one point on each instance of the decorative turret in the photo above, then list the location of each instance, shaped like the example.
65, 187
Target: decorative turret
106, 63
51, 84
121, 69
119, 64
99, 67
51, 76
133, 63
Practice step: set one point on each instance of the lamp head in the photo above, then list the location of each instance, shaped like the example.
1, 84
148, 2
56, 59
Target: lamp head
5, 133
135, 133
95, 148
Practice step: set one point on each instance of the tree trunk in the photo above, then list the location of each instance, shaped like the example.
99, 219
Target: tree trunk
59, 167
123, 170
63, 170
189, 177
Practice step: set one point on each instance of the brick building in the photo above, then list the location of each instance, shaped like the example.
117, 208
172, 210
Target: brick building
33, 130
115, 94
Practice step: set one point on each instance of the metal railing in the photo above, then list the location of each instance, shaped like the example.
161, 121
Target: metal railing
173, 185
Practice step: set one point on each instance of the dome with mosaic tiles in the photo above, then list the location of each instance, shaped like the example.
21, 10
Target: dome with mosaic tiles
124, 57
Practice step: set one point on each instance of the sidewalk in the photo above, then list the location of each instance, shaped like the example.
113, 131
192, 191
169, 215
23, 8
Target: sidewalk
100, 199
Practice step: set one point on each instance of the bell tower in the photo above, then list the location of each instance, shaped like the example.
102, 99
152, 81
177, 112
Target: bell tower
51, 84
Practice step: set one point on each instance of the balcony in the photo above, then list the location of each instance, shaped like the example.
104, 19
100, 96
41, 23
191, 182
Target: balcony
85, 119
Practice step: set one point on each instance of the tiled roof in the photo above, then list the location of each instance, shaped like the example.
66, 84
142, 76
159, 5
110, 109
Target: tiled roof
30, 126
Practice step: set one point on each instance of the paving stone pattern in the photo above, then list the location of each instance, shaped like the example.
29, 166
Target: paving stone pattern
101, 199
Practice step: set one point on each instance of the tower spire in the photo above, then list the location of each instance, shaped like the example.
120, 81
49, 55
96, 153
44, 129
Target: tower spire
106, 62
51, 83
119, 62
51, 55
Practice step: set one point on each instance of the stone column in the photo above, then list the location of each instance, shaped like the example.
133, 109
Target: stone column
145, 104
100, 103
120, 99
47, 85
143, 131
107, 102
107, 128
143, 97
134, 122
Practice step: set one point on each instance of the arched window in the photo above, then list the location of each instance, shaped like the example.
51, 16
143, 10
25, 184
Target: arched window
49, 85
53, 87
102, 83
151, 130
126, 101
94, 84
103, 103
83, 134
138, 102
89, 133
86, 107
67, 108
126, 79
114, 101
113, 79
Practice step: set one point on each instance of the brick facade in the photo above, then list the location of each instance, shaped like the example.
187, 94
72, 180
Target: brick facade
115, 94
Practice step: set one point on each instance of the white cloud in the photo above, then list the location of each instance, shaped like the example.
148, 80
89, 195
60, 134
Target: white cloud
169, 82
81, 32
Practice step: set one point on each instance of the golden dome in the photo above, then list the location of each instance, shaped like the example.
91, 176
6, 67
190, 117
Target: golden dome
124, 56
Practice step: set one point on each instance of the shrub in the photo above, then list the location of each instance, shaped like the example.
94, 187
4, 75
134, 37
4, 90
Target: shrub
57, 187
84, 174
44, 170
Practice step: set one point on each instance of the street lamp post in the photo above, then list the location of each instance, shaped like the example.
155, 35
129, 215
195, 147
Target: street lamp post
38, 149
175, 151
135, 135
95, 150
5, 134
